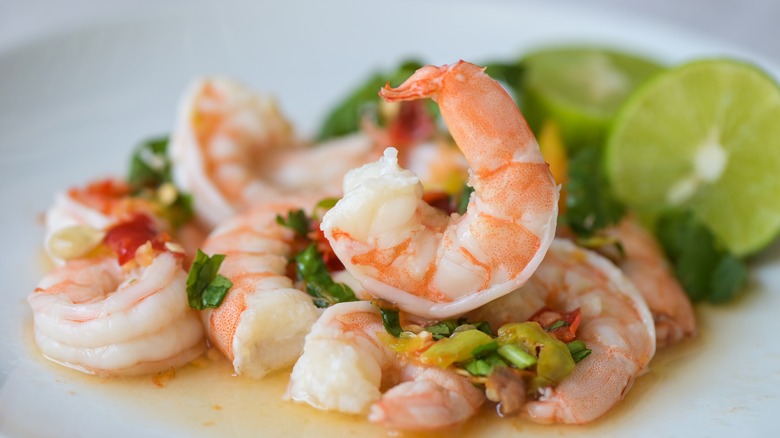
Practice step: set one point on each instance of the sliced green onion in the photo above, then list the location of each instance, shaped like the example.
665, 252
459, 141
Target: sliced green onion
578, 350
516, 356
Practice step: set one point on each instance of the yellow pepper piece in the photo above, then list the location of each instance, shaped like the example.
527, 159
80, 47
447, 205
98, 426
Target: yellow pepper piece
555, 362
458, 348
554, 153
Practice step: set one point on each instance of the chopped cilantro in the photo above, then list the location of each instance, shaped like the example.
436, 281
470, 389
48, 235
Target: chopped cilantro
390, 317
590, 205
319, 284
556, 325
297, 221
149, 165
150, 168
705, 269
205, 287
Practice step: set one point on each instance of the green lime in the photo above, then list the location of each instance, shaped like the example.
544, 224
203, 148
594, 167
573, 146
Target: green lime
581, 89
704, 136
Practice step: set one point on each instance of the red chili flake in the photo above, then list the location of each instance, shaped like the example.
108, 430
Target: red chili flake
412, 125
561, 325
440, 200
101, 195
125, 237
323, 246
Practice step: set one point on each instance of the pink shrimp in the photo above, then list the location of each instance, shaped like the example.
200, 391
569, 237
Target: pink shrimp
96, 316
261, 324
233, 148
616, 325
345, 365
436, 266
646, 266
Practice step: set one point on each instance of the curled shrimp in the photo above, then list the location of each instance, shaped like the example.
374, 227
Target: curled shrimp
345, 366
430, 264
261, 324
646, 266
101, 318
616, 326
233, 148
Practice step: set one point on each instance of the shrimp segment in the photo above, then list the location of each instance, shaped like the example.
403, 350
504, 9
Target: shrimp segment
261, 324
233, 148
616, 325
437, 266
345, 365
93, 316
646, 266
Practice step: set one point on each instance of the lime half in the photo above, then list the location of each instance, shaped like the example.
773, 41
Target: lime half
580, 89
704, 136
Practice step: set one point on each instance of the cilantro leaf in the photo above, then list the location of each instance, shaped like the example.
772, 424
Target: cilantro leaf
390, 317
149, 165
205, 287
705, 269
297, 221
345, 116
319, 284
590, 205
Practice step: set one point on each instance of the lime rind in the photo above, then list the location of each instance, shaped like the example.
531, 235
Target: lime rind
701, 112
580, 87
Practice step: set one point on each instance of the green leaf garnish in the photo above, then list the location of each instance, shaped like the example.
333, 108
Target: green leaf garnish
442, 329
150, 168
205, 287
578, 350
364, 101
390, 317
297, 221
705, 269
319, 284
149, 165
590, 206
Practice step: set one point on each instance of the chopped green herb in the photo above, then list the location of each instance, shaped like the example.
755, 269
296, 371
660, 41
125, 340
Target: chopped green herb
205, 287
442, 329
319, 284
345, 117
149, 165
484, 327
517, 356
485, 349
390, 317
150, 168
558, 324
485, 365
297, 221
705, 269
590, 205
325, 204
578, 350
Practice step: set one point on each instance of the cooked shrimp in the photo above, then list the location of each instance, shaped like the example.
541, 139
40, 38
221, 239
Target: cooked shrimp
261, 324
95, 316
345, 365
646, 266
430, 264
233, 148
616, 325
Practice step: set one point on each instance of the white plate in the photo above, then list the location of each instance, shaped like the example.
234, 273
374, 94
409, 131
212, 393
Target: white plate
73, 103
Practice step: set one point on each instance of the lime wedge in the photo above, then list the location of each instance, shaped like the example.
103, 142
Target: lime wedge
704, 136
581, 89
